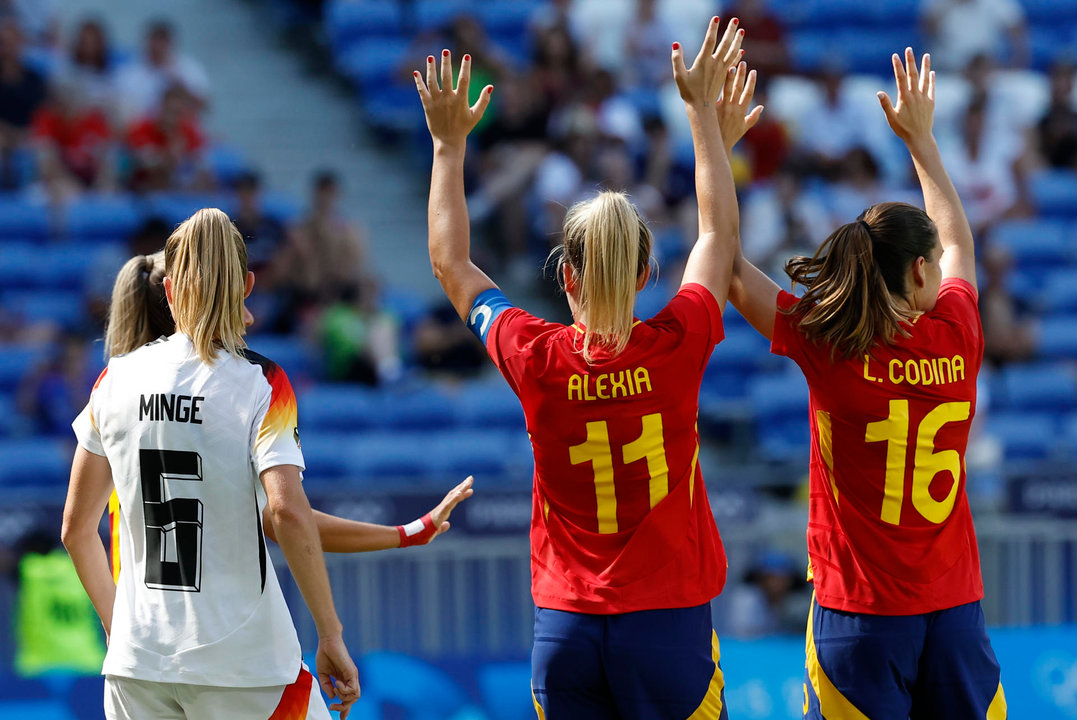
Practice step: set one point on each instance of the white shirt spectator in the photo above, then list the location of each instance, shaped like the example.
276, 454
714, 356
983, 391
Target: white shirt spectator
775, 226
966, 28
142, 85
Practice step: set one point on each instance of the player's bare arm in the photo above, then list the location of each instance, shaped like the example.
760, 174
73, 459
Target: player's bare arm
297, 534
340, 535
450, 119
911, 120
750, 290
711, 259
87, 498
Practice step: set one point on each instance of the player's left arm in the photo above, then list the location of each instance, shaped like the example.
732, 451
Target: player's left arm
911, 120
340, 535
87, 498
450, 119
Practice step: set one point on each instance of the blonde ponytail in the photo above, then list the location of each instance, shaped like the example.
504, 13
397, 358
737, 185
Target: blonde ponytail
206, 259
138, 312
608, 245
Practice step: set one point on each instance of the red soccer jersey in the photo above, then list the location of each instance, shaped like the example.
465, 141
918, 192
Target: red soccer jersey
620, 519
889, 527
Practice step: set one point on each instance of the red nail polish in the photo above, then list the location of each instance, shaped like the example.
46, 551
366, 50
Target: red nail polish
490, 90
416, 73
716, 20
676, 46
736, 21
740, 32
430, 58
467, 57
445, 53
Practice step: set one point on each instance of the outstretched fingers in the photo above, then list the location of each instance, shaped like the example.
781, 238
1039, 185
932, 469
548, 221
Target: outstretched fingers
463, 80
424, 92
729, 49
910, 70
748, 92
432, 75
677, 58
709, 40
900, 78
925, 72
446, 71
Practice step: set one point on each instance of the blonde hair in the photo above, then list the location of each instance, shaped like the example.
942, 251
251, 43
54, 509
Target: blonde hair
139, 311
206, 259
608, 245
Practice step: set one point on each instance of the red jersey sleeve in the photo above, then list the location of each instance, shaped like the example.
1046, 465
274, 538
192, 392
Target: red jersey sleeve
958, 306
694, 314
787, 340
511, 332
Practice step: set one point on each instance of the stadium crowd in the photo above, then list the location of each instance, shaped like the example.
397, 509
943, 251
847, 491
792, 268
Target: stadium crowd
86, 126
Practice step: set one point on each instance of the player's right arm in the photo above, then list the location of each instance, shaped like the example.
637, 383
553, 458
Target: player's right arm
711, 260
911, 121
297, 534
450, 119
87, 498
340, 535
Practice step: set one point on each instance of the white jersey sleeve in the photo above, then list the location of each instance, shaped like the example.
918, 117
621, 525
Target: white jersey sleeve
275, 439
85, 425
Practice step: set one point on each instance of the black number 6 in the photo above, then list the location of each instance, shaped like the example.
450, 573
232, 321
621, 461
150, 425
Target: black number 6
176, 565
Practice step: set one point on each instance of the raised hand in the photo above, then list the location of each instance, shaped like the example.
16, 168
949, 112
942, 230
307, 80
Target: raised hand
911, 117
448, 115
701, 84
733, 116
440, 514
333, 663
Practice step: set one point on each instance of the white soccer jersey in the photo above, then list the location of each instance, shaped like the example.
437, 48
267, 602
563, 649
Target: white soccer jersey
197, 599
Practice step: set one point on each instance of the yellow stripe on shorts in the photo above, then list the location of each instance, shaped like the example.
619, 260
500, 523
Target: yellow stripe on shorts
832, 704
711, 707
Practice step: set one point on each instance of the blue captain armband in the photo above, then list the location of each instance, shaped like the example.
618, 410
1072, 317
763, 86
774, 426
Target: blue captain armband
487, 306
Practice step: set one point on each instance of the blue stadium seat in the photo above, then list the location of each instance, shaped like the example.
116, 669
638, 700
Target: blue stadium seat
71, 266
438, 14
809, 49
290, 352
867, 50
423, 408
8, 418
651, 300
15, 362
22, 220
345, 408
34, 462
20, 265
1024, 435
349, 20
377, 63
455, 454
1058, 292
1047, 43
326, 455
394, 110
382, 458
408, 688
742, 349
101, 218
1054, 191
484, 405
174, 208
227, 163
1058, 338
1050, 12
408, 307
1040, 387
780, 404
1035, 243
280, 206
65, 308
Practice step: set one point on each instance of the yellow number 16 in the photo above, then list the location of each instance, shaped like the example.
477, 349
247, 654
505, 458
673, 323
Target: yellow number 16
927, 463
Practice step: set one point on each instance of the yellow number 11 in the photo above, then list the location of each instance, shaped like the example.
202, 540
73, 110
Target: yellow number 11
927, 463
596, 450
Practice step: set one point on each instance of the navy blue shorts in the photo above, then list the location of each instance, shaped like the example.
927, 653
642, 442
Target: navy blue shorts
911, 667
648, 665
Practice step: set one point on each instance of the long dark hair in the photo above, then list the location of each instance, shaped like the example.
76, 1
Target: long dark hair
855, 278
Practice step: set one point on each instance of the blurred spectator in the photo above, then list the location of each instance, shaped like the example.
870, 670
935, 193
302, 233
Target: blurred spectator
444, 345
982, 165
773, 598
77, 135
22, 90
38, 20
779, 221
264, 234
561, 179
56, 390
359, 338
647, 43
1009, 335
828, 131
557, 65
56, 628
958, 30
765, 44
90, 68
767, 145
1057, 129
144, 83
325, 255
168, 147
859, 186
